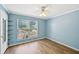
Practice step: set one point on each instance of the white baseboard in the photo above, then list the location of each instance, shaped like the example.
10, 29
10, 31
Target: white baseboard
62, 44
47, 38
26, 41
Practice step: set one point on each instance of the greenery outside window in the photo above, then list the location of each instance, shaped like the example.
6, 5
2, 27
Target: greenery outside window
27, 28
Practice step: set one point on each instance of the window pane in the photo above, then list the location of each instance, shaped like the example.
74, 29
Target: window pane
27, 29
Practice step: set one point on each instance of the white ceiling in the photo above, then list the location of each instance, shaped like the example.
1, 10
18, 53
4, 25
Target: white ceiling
35, 9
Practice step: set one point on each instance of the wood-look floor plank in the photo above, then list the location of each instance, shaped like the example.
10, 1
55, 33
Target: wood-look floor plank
43, 46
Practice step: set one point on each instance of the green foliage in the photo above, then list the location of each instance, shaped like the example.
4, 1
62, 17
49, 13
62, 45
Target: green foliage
22, 26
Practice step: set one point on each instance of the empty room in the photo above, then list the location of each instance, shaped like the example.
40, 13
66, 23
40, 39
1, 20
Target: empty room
39, 28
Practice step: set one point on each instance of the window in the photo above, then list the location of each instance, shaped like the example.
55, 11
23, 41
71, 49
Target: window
27, 28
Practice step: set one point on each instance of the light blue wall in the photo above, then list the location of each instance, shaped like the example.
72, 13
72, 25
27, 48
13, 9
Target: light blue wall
13, 27
65, 29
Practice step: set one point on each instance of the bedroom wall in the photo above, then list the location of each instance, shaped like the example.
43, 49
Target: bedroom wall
13, 28
65, 29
